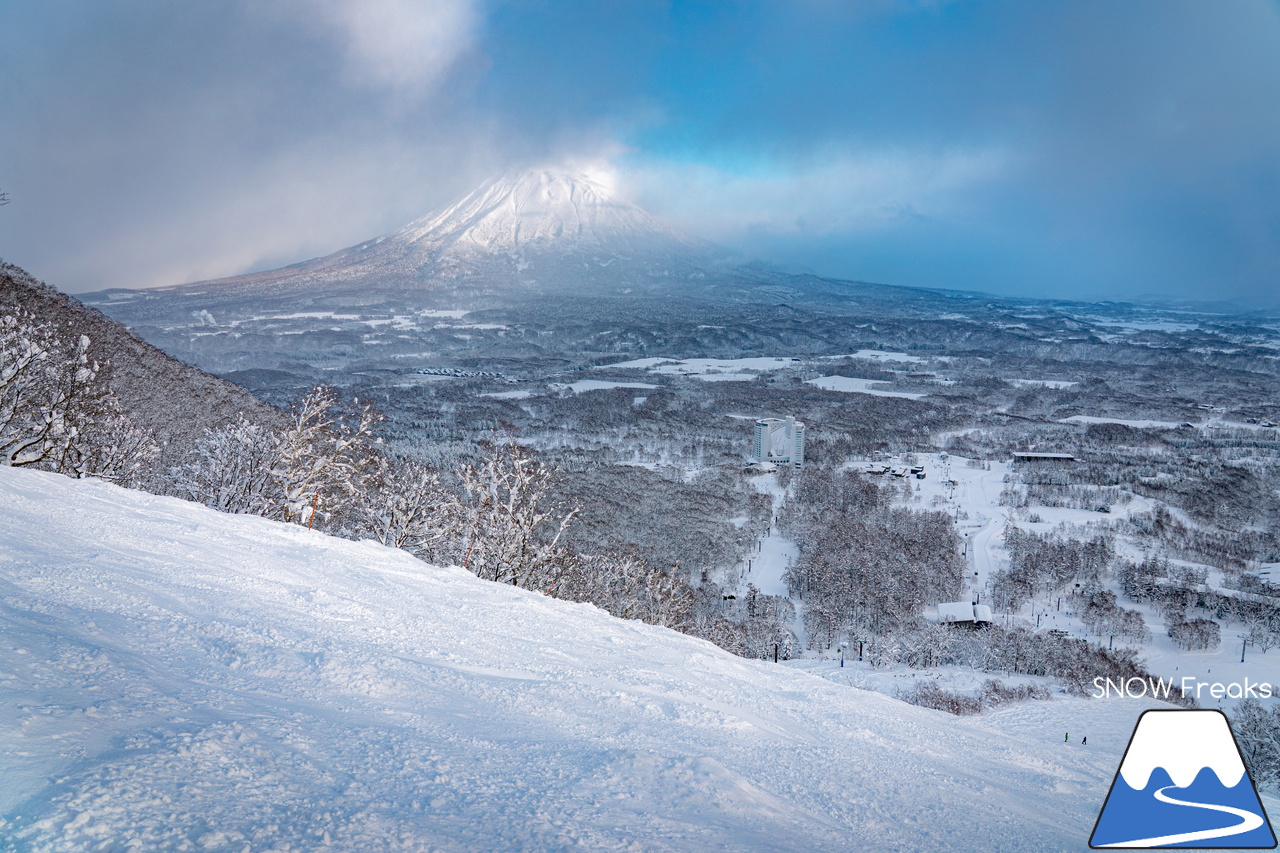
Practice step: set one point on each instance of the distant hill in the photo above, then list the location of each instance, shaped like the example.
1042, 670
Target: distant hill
174, 400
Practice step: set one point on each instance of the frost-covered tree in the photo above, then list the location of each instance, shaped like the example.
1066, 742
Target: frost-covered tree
232, 469
117, 449
612, 582
313, 463
1194, 634
49, 394
865, 565
405, 506
318, 456
667, 601
1262, 632
1257, 730
511, 525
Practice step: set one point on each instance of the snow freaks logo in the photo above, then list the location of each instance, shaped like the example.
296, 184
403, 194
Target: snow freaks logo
1182, 783
1192, 688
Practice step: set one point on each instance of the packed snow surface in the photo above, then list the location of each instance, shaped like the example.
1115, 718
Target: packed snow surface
173, 678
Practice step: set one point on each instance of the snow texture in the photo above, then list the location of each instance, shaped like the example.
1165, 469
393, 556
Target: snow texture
176, 678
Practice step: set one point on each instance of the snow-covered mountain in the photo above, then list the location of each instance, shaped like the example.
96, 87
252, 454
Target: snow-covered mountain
176, 677
545, 229
545, 210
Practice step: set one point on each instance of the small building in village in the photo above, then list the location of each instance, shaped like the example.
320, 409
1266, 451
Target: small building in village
964, 613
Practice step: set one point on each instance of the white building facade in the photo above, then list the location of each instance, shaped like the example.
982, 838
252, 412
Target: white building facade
779, 441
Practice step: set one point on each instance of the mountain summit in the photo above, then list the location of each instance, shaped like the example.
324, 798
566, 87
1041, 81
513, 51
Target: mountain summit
545, 209
540, 229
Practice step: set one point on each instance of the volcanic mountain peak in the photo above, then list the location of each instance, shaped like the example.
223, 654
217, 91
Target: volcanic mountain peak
534, 228
554, 209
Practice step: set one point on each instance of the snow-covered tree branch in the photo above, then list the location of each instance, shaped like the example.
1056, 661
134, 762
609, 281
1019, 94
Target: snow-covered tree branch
318, 454
406, 507
56, 411
511, 526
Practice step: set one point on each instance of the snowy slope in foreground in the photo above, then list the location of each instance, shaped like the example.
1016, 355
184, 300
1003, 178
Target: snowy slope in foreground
181, 679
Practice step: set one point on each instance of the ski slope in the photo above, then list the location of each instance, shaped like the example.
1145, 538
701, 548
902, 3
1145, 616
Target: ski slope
172, 678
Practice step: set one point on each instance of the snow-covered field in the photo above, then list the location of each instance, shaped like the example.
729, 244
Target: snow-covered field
882, 355
518, 394
1043, 383
172, 678
695, 366
860, 386
1139, 423
745, 369
583, 385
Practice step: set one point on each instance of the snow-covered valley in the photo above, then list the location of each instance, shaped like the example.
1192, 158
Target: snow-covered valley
175, 678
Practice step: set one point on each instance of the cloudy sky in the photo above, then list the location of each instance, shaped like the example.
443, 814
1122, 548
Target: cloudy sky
1078, 149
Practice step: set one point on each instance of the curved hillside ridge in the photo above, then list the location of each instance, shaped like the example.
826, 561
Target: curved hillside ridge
1183, 743
176, 401
546, 209
195, 678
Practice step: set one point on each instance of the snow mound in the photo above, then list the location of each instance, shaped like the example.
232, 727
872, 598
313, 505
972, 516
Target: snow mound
173, 678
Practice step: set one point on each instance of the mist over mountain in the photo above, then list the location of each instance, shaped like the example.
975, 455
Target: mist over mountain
536, 230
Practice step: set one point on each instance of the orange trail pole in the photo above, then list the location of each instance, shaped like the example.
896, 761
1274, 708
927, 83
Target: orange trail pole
314, 503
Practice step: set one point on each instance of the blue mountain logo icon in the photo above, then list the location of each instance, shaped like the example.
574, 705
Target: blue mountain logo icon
1182, 783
